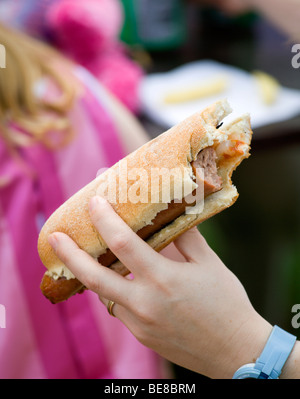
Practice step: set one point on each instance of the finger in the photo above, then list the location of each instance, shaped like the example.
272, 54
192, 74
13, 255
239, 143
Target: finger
95, 277
191, 245
130, 249
117, 310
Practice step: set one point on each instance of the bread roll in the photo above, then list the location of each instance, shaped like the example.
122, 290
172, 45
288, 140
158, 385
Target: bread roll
175, 150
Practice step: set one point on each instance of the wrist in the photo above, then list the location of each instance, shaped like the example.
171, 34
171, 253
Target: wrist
278, 359
291, 368
249, 343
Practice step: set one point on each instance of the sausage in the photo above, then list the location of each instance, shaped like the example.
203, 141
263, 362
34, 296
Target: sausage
60, 289
207, 162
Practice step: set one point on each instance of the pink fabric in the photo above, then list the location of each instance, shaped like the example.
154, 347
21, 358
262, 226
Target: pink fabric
77, 338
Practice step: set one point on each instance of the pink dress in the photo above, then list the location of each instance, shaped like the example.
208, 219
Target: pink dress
76, 338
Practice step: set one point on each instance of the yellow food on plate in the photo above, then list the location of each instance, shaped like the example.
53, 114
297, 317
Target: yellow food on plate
209, 88
268, 87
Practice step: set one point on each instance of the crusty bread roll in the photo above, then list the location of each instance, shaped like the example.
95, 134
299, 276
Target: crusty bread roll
176, 150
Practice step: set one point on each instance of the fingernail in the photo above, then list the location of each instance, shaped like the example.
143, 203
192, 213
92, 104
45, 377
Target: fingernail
52, 239
96, 201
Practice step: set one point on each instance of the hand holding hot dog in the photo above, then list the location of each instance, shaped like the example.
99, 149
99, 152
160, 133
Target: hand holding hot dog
194, 313
169, 185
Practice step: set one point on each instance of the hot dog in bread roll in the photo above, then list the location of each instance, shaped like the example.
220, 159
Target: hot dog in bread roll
164, 188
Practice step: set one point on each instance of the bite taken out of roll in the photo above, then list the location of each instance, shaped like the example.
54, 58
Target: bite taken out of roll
167, 186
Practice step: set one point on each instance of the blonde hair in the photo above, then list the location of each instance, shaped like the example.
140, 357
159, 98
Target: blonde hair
24, 117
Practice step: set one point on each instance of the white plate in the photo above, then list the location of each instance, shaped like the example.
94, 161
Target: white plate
242, 94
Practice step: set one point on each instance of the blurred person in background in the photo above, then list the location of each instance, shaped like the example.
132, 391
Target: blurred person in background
86, 31
284, 14
58, 127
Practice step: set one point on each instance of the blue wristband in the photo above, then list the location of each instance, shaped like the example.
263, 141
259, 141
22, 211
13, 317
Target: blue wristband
272, 359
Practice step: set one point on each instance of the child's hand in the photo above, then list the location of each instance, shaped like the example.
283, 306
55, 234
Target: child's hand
195, 313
